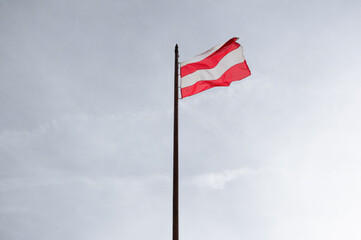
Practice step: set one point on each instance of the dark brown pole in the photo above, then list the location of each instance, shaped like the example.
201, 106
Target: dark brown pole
175, 150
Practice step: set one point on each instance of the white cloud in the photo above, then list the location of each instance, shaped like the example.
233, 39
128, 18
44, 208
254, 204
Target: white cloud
218, 180
88, 144
86, 124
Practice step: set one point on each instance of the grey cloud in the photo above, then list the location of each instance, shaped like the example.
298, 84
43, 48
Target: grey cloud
86, 121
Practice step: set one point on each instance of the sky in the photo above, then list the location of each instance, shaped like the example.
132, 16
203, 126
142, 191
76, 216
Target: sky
86, 103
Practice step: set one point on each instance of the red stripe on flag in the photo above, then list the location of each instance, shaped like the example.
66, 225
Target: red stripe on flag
235, 73
212, 60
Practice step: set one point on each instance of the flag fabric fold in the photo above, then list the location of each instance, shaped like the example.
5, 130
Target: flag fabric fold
219, 66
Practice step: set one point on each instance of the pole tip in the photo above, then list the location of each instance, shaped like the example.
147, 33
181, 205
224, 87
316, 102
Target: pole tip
176, 47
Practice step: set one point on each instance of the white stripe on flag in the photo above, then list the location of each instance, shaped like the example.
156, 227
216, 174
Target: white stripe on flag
201, 56
231, 59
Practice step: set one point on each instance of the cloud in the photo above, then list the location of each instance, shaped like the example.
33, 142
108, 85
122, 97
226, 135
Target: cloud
120, 144
86, 126
84, 207
219, 180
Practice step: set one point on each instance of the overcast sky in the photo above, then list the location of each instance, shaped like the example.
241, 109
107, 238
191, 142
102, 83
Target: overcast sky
86, 110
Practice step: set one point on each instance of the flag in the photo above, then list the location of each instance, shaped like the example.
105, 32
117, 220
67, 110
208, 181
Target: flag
219, 66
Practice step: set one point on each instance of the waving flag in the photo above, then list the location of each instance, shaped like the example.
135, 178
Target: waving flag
219, 66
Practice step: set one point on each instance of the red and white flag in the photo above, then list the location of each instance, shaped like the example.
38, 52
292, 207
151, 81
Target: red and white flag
219, 66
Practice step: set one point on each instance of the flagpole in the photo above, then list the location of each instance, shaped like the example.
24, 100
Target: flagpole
175, 150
